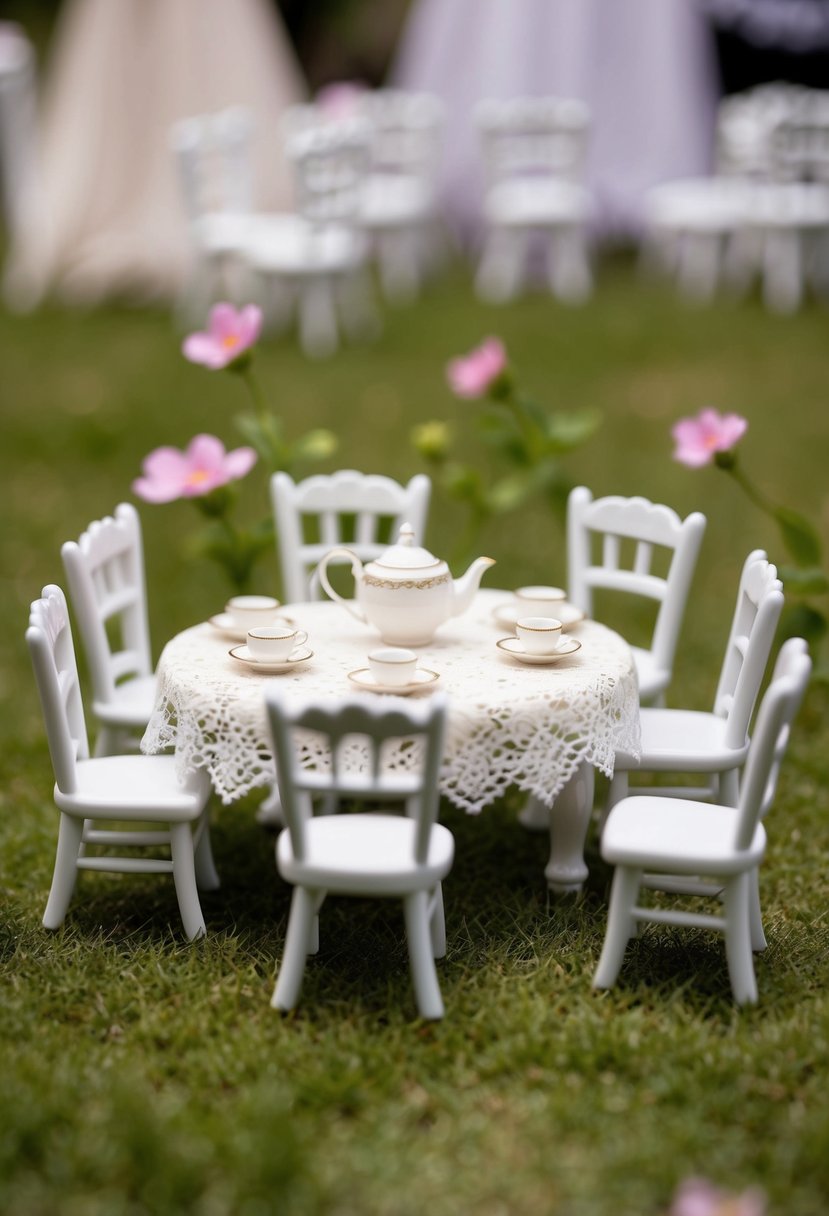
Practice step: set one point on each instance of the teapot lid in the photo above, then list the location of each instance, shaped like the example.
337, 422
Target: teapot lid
406, 556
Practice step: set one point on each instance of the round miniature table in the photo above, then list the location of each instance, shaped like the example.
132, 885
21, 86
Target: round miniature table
542, 728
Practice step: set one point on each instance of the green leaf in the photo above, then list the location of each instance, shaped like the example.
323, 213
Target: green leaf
318, 444
799, 537
804, 621
804, 580
510, 492
566, 431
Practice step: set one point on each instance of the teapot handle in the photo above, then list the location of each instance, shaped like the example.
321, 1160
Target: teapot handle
322, 571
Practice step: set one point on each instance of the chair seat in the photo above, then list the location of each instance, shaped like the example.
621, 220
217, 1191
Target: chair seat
791, 205
526, 202
682, 740
365, 854
652, 679
132, 704
393, 200
289, 244
128, 787
681, 836
220, 232
712, 205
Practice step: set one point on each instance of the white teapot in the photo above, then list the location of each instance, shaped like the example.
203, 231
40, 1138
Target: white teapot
406, 592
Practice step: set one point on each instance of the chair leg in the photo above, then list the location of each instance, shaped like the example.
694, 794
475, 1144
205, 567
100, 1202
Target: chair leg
399, 266
318, 318
755, 915
437, 924
738, 940
184, 877
107, 742
728, 791
621, 925
568, 267
297, 941
424, 975
207, 877
500, 273
616, 791
70, 834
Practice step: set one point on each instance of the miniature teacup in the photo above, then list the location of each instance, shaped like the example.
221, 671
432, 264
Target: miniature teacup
393, 666
274, 643
538, 634
539, 601
248, 611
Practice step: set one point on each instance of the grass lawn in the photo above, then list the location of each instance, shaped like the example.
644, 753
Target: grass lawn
144, 1075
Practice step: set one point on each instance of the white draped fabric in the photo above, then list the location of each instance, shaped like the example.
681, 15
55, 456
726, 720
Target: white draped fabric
646, 69
121, 72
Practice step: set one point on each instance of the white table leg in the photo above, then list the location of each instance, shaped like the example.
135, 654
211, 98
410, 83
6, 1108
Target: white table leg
568, 819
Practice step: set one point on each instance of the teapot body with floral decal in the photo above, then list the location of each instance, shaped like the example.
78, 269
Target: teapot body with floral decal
406, 593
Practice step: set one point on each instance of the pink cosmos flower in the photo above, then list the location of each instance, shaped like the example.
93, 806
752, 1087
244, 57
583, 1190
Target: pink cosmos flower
471, 375
341, 99
230, 332
204, 466
699, 1197
697, 439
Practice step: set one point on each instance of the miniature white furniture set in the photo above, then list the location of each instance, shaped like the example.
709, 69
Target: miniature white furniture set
597, 530
90, 792
370, 853
714, 743
674, 845
542, 727
105, 572
323, 503
534, 152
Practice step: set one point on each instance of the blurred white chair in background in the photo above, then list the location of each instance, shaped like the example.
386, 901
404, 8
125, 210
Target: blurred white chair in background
362, 511
214, 157
534, 155
362, 853
399, 207
105, 571
599, 531
714, 743
133, 789
696, 848
318, 255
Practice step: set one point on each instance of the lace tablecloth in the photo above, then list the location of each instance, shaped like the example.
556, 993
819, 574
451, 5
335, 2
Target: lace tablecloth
509, 723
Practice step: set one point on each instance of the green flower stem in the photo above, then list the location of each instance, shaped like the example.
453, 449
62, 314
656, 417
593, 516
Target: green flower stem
529, 432
258, 397
759, 499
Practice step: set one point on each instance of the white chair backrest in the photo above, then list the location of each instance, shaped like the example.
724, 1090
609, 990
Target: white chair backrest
353, 732
612, 521
771, 736
330, 164
406, 130
756, 613
49, 638
214, 157
799, 147
105, 572
533, 136
326, 501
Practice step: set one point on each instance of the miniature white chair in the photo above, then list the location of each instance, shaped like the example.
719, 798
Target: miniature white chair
133, 789
534, 151
105, 572
362, 853
324, 504
214, 157
319, 254
714, 743
647, 528
668, 845
399, 206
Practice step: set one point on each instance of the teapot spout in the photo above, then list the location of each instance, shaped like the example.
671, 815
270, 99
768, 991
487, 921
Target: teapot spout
468, 584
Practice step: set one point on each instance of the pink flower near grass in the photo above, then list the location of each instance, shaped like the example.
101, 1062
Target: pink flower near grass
169, 473
473, 374
230, 332
699, 439
699, 1197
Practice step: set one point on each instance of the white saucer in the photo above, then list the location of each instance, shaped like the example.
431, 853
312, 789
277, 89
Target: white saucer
515, 648
227, 627
422, 679
301, 655
507, 614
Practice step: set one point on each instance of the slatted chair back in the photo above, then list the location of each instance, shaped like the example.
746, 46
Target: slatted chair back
105, 571
529, 137
344, 508
214, 157
49, 638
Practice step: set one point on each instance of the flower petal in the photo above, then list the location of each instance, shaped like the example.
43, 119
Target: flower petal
239, 462
202, 348
205, 452
223, 321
